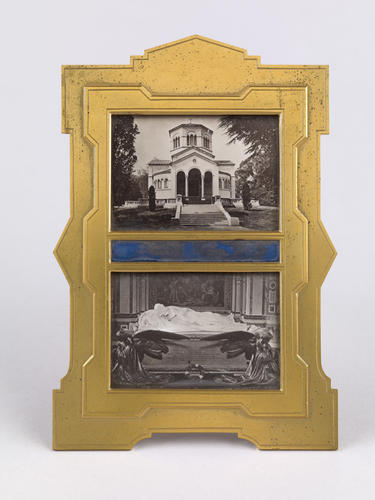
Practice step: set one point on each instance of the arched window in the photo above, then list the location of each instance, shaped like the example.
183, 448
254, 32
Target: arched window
206, 142
165, 183
191, 140
178, 142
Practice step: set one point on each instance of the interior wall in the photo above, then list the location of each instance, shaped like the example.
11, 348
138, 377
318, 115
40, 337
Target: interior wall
246, 295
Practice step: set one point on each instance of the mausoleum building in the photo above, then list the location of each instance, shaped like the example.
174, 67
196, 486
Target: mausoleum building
193, 171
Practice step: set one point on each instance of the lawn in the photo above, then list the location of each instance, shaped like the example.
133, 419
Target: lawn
266, 219
141, 218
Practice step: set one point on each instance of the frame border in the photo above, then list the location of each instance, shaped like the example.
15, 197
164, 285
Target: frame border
83, 416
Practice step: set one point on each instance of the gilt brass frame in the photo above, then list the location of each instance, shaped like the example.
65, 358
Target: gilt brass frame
195, 76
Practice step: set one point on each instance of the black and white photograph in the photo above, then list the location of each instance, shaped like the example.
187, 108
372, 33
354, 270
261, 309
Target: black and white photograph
195, 330
195, 173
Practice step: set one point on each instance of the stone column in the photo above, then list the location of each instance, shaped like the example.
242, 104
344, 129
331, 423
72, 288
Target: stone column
232, 186
186, 185
173, 184
202, 190
215, 185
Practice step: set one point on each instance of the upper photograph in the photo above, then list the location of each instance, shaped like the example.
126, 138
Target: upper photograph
202, 173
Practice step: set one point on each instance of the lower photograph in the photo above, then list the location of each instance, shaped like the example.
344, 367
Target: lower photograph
195, 330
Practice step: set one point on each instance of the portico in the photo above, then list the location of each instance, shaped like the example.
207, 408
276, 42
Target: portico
194, 183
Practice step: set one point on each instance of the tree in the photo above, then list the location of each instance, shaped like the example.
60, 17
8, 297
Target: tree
151, 199
260, 168
257, 132
124, 186
244, 175
246, 195
142, 182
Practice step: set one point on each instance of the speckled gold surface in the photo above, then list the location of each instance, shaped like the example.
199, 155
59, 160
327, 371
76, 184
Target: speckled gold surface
195, 76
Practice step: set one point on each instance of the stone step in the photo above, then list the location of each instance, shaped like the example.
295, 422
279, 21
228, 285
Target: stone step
206, 214
200, 222
202, 219
222, 223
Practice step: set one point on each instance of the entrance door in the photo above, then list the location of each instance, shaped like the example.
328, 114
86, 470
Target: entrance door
195, 184
181, 183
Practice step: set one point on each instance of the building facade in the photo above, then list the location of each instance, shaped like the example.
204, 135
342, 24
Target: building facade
192, 172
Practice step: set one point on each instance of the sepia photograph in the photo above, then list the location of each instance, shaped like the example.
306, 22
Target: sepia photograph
195, 173
195, 330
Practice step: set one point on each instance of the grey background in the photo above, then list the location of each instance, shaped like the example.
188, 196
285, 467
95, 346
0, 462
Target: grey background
36, 38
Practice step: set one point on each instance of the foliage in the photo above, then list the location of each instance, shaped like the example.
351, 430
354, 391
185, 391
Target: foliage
151, 199
142, 181
124, 184
246, 195
261, 175
260, 169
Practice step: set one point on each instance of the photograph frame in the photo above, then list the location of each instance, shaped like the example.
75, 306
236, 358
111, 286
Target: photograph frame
193, 187
217, 348
180, 78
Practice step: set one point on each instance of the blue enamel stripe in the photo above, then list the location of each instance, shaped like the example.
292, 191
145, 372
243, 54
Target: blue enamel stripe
196, 251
